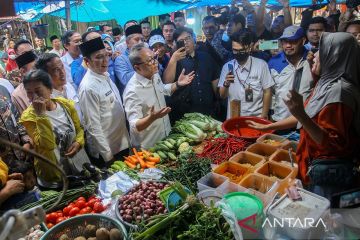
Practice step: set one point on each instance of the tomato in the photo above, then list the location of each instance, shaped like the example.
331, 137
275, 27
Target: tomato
92, 197
98, 207
81, 199
66, 210
48, 218
80, 204
52, 217
91, 202
49, 225
60, 219
74, 211
85, 210
59, 214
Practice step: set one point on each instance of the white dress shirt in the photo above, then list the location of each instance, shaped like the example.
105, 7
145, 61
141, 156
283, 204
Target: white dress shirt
67, 60
255, 73
104, 115
69, 93
139, 96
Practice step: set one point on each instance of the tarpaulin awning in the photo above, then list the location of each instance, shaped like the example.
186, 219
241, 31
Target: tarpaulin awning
120, 10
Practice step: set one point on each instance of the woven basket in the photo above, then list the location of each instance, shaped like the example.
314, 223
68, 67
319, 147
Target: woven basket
75, 226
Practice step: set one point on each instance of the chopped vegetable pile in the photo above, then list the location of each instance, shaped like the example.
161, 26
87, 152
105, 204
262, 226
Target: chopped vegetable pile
189, 169
191, 221
142, 202
48, 198
221, 149
78, 207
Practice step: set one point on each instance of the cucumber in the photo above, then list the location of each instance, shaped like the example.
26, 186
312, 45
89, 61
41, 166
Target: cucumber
156, 155
172, 141
116, 167
162, 155
152, 149
162, 146
120, 164
180, 141
171, 156
168, 144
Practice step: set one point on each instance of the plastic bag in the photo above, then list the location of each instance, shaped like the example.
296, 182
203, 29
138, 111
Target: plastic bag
151, 174
231, 219
119, 181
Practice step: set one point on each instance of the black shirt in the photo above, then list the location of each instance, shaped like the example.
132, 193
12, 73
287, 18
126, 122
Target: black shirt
208, 48
198, 96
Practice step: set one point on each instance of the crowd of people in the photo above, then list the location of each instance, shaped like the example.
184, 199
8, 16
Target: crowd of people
105, 91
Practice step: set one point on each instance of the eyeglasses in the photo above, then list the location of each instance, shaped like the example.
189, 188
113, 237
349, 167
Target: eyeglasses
150, 61
186, 39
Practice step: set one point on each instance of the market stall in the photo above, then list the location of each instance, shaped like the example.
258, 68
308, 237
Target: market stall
206, 180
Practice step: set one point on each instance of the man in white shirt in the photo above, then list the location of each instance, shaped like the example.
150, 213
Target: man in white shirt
101, 105
71, 41
56, 44
144, 98
52, 64
246, 79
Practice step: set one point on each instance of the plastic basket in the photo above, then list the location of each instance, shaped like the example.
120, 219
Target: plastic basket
74, 227
262, 149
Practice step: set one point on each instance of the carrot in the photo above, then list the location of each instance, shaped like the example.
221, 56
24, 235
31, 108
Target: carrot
146, 152
134, 159
153, 159
141, 161
129, 164
149, 165
140, 153
131, 160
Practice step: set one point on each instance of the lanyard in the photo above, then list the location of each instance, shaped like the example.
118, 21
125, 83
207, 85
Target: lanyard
244, 83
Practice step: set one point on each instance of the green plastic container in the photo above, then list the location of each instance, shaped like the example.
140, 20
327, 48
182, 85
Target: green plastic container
245, 205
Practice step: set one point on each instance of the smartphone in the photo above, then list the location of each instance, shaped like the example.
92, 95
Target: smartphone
180, 44
231, 68
269, 45
297, 79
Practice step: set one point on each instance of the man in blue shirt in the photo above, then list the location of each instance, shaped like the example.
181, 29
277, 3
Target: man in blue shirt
290, 70
123, 68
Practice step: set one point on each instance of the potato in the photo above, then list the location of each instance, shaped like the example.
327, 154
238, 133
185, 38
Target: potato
102, 234
80, 238
90, 231
116, 234
64, 237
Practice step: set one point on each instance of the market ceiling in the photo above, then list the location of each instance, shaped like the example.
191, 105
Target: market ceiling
121, 11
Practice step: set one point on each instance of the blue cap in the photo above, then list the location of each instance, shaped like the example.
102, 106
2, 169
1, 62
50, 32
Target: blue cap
292, 33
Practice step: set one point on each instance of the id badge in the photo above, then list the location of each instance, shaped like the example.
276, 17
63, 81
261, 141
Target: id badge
249, 95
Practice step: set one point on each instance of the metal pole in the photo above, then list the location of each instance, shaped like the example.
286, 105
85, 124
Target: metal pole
67, 12
31, 36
